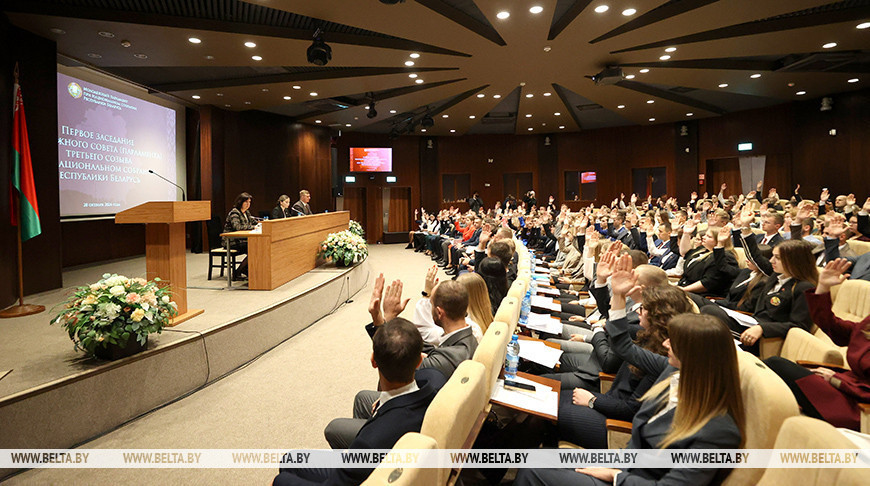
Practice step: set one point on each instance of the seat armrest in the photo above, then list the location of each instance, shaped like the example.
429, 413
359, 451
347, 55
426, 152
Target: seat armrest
614, 425
865, 417
818, 364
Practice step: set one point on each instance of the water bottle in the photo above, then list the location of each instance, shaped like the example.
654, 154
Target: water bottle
526, 307
512, 359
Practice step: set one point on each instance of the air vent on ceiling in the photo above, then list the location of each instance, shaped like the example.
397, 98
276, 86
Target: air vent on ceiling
498, 118
327, 104
590, 106
824, 61
682, 89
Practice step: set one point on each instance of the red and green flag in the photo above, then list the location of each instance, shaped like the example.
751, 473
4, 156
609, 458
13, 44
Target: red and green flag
22, 173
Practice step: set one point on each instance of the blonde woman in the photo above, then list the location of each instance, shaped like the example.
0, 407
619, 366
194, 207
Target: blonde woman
701, 274
479, 308
432, 332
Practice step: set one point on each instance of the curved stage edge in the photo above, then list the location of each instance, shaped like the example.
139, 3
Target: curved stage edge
61, 414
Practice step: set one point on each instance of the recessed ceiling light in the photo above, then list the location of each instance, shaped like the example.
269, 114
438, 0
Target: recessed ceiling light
649, 102
530, 129
561, 127
250, 44
257, 58
665, 57
471, 117
196, 97
801, 93
863, 25
630, 76
503, 14
445, 116
629, 12
414, 55
601, 9
755, 76
829, 45
347, 124
219, 94
670, 49
481, 95
140, 55
313, 93
644, 70
55, 30
528, 115
409, 63
317, 121
194, 40
452, 131
209, 57
548, 48
689, 114
536, 9
547, 94
393, 112
265, 90
94, 55
412, 75
247, 102
791, 85
356, 118
496, 96
652, 119
419, 81
106, 34
557, 114
529, 95
297, 87
854, 80
723, 85
621, 106
287, 98
228, 106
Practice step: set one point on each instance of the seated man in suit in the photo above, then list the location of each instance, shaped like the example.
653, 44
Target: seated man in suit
301, 207
401, 405
449, 306
860, 268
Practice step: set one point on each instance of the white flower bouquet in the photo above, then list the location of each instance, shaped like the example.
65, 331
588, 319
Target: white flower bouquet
344, 248
356, 228
115, 310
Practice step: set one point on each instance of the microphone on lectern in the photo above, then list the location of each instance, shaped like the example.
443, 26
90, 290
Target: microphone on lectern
183, 196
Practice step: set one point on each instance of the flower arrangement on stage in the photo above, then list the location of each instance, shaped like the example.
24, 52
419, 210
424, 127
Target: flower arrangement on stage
356, 228
344, 248
116, 311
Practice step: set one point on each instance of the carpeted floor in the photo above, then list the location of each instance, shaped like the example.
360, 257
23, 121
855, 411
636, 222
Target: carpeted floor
282, 400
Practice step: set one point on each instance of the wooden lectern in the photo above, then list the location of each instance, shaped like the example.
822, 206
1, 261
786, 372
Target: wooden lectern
165, 249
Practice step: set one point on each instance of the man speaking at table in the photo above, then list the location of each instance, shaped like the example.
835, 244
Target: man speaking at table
301, 207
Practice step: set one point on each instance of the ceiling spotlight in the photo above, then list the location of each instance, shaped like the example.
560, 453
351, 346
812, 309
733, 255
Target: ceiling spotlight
723, 85
670, 49
265, 90
528, 115
105, 34
194, 40
427, 121
445, 116
609, 75
629, 12
652, 119
644, 70
313, 93
854, 80
257, 58
347, 125
665, 57
318, 52
530, 129
247, 102
496, 96
863, 25
547, 94
297, 87
452, 131
755, 76
423, 130
318, 121
548, 48
503, 14
419, 81
689, 114
530, 95
561, 127
791, 85
287, 98
829, 45
557, 114
621, 106
228, 106
630, 76
392, 112
409, 63
471, 117
601, 9
412, 75
94, 55
649, 102
219, 94
209, 57
536, 9
481, 95
414, 55
196, 97
125, 44
140, 55
250, 44
801, 93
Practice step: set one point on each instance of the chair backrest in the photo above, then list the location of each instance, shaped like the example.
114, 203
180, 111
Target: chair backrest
859, 247
801, 345
509, 313
518, 288
456, 409
214, 227
393, 475
741, 257
810, 433
767, 402
853, 300
492, 349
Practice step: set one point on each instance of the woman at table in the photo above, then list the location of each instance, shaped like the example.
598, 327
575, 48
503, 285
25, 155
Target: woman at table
240, 219
282, 209
695, 403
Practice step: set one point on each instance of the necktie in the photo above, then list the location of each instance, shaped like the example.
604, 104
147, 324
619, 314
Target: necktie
375, 407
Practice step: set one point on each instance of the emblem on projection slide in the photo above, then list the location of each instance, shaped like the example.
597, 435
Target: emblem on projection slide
74, 90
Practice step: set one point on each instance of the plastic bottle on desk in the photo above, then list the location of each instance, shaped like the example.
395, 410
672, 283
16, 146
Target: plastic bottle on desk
512, 359
525, 307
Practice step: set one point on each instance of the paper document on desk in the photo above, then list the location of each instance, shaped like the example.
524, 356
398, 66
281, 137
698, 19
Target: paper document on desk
546, 303
743, 319
540, 353
544, 323
544, 400
548, 291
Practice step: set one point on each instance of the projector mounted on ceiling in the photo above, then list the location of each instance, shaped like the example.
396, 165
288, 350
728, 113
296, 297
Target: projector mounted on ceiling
609, 75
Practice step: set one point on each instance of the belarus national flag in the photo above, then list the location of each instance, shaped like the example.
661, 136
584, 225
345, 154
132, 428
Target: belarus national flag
22, 173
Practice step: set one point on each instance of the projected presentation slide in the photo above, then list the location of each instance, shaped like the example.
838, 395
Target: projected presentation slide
107, 143
368, 159
587, 177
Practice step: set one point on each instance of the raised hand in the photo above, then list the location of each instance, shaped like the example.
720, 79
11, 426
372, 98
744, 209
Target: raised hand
724, 235
375, 301
694, 196
430, 280
393, 303
706, 195
834, 273
835, 229
866, 207
633, 199
605, 267
759, 185
797, 188
850, 200
723, 187
825, 195
623, 281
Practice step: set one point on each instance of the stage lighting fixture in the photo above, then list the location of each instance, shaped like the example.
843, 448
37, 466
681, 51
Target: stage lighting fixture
608, 76
372, 112
319, 53
427, 121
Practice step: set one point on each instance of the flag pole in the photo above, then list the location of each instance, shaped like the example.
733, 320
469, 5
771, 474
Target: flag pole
21, 309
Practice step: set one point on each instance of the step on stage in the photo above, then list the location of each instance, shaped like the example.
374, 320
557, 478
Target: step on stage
48, 386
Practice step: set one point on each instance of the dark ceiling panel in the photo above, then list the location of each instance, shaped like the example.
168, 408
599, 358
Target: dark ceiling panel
670, 96
466, 14
662, 12
564, 20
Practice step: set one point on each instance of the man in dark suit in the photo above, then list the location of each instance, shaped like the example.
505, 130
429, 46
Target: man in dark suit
301, 207
401, 406
860, 268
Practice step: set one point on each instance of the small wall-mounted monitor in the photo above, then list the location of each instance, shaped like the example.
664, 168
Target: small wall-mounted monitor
371, 159
587, 177
391, 179
349, 179
743, 147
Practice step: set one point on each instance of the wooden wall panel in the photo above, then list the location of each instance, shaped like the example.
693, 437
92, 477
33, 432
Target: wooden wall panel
400, 209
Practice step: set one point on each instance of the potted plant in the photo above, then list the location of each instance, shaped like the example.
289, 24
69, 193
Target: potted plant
344, 248
356, 228
112, 318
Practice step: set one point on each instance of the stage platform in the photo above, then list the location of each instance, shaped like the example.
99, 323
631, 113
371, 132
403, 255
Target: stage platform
51, 386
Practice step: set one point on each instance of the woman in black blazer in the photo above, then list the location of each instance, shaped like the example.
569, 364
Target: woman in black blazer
701, 274
747, 282
282, 210
701, 355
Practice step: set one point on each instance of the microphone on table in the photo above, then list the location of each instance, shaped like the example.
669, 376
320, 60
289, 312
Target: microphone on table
300, 213
183, 196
